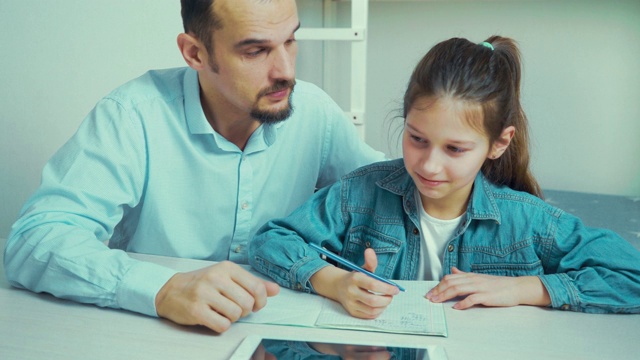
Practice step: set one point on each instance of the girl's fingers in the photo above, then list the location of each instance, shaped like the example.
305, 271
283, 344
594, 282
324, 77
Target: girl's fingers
454, 285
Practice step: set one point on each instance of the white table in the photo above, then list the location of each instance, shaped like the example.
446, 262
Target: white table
38, 326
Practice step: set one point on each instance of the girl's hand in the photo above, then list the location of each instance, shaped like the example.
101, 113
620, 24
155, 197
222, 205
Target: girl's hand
488, 290
362, 296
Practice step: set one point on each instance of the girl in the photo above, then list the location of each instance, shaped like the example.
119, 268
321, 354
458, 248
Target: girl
461, 207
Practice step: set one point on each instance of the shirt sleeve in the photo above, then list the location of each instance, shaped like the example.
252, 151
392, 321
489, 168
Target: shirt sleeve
58, 244
344, 150
592, 270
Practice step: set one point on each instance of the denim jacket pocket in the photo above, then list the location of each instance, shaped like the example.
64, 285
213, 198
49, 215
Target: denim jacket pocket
387, 248
504, 256
509, 269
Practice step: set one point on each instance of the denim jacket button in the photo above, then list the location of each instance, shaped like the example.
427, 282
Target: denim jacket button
566, 307
368, 244
416, 231
450, 248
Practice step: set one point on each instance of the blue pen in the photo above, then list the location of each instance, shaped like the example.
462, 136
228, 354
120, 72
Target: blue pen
353, 266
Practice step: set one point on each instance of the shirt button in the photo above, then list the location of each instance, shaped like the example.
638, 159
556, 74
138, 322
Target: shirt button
244, 205
238, 249
416, 231
450, 247
565, 307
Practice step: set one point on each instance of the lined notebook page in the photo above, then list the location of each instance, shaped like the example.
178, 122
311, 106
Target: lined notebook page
289, 307
409, 312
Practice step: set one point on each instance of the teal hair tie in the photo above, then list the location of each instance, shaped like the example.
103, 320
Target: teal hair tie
488, 45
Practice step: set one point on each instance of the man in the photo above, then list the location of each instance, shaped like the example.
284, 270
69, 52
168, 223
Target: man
187, 163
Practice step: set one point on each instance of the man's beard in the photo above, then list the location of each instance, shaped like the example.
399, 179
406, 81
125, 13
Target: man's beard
272, 117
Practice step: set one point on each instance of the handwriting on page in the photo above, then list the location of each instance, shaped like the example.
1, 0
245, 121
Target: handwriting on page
409, 312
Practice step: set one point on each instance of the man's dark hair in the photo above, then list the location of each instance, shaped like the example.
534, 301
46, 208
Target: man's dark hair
199, 19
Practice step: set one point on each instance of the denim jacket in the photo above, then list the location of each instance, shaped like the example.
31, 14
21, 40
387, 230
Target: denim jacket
504, 232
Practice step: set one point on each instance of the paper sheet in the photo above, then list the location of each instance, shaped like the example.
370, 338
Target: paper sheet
289, 307
409, 312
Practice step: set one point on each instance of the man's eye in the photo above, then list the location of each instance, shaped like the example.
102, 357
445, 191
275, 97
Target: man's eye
255, 53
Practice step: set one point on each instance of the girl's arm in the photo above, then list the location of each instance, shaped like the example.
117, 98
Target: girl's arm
362, 296
585, 269
591, 270
280, 250
489, 290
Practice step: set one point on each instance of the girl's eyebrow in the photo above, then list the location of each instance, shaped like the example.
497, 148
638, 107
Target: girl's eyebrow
460, 142
412, 128
452, 141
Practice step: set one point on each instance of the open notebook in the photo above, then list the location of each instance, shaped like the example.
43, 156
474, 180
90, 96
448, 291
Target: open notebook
409, 312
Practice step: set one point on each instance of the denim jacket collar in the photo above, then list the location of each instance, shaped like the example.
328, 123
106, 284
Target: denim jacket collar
483, 202
481, 207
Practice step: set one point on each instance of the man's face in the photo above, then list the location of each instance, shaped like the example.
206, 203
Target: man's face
252, 68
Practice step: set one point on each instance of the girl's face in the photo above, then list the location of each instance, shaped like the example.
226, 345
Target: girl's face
443, 154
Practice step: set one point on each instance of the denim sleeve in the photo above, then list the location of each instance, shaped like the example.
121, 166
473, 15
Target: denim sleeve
280, 248
57, 243
591, 270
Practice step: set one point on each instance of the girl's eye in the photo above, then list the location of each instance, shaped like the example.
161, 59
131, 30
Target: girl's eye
417, 139
456, 149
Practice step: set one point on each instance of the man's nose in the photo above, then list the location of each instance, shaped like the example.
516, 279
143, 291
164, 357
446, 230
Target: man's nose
284, 64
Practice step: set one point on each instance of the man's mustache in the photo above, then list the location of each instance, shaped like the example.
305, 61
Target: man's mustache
279, 85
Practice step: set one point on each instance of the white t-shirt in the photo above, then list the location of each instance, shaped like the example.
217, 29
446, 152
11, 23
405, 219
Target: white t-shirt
434, 234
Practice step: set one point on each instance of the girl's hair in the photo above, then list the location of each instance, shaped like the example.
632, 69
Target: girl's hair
486, 76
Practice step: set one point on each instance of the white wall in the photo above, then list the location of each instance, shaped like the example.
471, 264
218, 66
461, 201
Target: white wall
59, 57
581, 85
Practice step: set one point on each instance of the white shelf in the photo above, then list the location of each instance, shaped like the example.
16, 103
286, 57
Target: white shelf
345, 34
356, 34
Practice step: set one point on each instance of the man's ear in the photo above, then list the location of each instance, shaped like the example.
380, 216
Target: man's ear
193, 51
502, 142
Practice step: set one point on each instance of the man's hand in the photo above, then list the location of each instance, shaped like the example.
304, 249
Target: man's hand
361, 295
488, 290
215, 296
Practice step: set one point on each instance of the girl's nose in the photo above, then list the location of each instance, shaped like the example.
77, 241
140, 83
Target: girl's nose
432, 162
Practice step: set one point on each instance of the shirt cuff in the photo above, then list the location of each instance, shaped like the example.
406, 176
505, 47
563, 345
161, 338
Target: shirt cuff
140, 285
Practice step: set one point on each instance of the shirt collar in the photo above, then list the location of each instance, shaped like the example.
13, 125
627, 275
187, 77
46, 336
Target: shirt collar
197, 122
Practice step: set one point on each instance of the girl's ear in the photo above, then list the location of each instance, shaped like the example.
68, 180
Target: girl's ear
502, 142
193, 51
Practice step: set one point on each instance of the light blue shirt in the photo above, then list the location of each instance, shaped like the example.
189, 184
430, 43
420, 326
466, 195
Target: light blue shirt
146, 173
